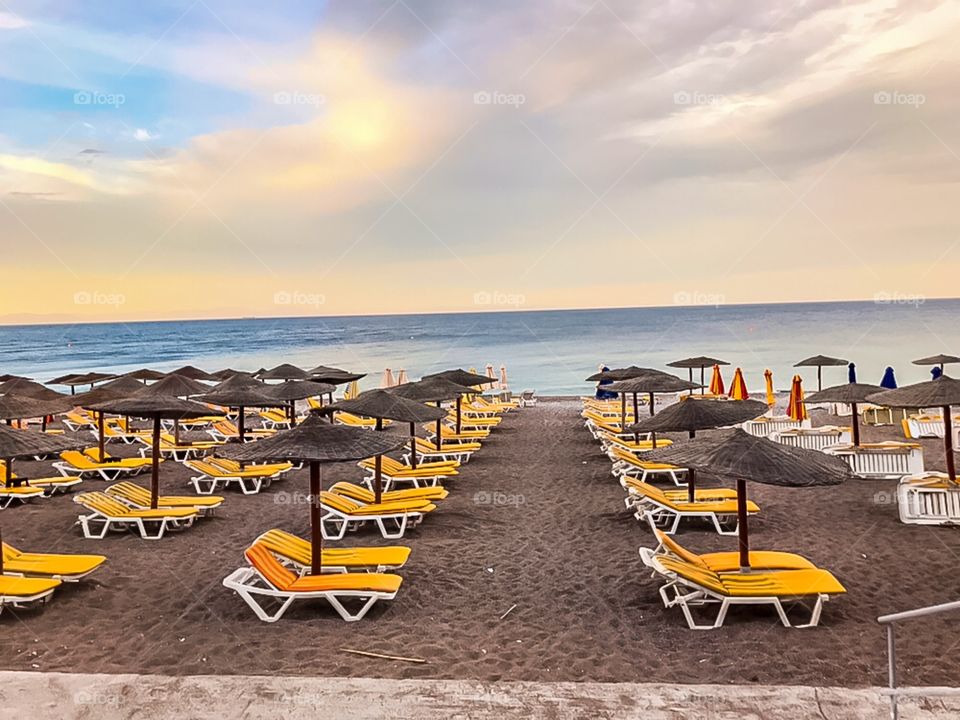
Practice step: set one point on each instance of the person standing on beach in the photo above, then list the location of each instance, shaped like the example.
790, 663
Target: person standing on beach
604, 394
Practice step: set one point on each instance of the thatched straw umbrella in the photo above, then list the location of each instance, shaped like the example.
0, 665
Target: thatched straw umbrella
145, 374
942, 392
700, 361
939, 360
736, 455
194, 373
113, 390
334, 376
650, 383
241, 395
74, 380
385, 405
461, 377
820, 362
29, 388
286, 371
692, 415
290, 391
435, 389
27, 443
156, 408
176, 385
850, 393
315, 442
615, 375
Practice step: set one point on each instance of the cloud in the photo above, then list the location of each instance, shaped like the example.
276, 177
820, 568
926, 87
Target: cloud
10, 21
144, 135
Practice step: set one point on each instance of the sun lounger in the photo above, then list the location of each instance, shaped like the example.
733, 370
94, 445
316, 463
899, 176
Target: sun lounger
251, 480
274, 419
928, 499
24, 592
394, 472
48, 485
528, 398
667, 512
184, 451
267, 578
73, 462
138, 497
690, 586
107, 513
722, 562
474, 423
637, 490
366, 496
21, 494
68, 568
224, 430
76, 419
429, 451
341, 514
296, 553
626, 464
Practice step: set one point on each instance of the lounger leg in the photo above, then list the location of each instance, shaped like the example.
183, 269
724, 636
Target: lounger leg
346, 614
257, 484
141, 525
401, 527
338, 522
87, 524
248, 597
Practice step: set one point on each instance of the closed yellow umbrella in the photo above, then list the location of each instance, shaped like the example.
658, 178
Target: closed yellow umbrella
796, 410
771, 396
716, 382
738, 387
353, 389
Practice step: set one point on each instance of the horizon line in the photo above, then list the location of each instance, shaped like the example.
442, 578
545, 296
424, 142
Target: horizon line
874, 300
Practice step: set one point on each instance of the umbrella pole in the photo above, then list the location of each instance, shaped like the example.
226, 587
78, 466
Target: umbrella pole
744, 534
636, 409
439, 437
155, 468
7, 472
378, 472
702, 388
819, 378
240, 422
691, 485
176, 432
293, 413
690, 375
100, 440
316, 531
623, 411
651, 403
855, 421
947, 444
413, 446
459, 419
43, 423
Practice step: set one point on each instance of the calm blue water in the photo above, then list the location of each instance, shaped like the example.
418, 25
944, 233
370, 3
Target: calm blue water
550, 351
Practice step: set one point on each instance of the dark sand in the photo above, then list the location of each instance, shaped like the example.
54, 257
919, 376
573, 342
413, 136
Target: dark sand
535, 520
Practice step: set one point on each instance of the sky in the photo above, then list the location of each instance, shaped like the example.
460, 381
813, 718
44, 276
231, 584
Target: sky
224, 158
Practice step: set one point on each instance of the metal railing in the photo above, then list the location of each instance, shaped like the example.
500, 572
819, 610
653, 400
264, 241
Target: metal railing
893, 691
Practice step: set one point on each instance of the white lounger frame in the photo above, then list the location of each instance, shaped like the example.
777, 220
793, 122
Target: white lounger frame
668, 519
96, 525
341, 522
921, 504
249, 584
24, 602
110, 474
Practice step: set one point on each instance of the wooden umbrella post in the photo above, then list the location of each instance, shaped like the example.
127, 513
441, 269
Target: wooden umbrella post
691, 485
240, 424
636, 408
176, 432
651, 403
855, 423
947, 444
744, 534
413, 445
7, 473
623, 411
155, 466
439, 421
690, 377
316, 528
378, 471
819, 378
100, 440
459, 418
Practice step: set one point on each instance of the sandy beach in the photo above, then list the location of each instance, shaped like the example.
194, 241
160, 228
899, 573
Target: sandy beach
529, 571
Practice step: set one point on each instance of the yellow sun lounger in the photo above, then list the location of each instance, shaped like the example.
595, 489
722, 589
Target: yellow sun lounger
296, 552
21, 493
341, 514
107, 513
394, 472
74, 462
23, 592
637, 490
268, 579
723, 562
68, 568
430, 451
691, 586
223, 430
49, 485
666, 512
626, 464
250, 480
366, 496
138, 497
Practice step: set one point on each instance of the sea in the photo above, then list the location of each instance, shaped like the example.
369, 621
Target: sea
551, 352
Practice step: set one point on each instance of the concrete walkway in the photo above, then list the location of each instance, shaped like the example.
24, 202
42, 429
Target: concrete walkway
54, 696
